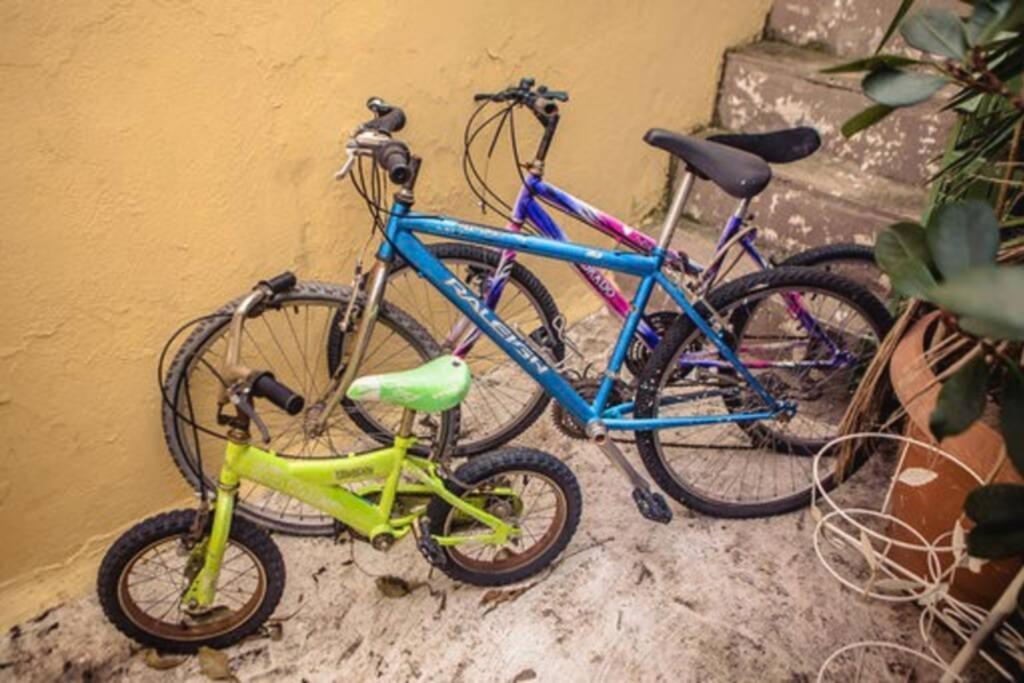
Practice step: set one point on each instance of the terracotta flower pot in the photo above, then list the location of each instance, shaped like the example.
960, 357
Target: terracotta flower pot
933, 508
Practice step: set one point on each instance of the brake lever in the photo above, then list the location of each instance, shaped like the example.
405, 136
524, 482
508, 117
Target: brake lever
346, 167
243, 404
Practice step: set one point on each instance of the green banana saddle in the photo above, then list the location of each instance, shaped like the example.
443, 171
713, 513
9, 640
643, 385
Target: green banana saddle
433, 387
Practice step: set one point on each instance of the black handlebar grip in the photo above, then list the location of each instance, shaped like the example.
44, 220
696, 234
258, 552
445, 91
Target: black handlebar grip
281, 396
281, 283
391, 122
545, 107
394, 158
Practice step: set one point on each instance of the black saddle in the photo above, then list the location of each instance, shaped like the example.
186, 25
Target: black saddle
738, 173
776, 147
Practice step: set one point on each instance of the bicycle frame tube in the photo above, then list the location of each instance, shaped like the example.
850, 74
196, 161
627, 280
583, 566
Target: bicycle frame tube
318, 483
401, 236
529, 209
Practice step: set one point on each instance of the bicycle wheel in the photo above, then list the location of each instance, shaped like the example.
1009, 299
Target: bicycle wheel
143, 575
504, 401
289, 338
545, 504
853, 261
752, 469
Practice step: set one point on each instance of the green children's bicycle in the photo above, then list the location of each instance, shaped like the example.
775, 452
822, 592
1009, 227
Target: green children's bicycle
189, 578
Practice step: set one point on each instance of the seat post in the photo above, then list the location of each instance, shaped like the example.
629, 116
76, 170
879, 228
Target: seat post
405, 429
675, 210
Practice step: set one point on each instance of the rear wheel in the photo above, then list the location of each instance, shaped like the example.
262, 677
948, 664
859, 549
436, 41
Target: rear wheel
532, 490
145, 573
751, 469
853, 261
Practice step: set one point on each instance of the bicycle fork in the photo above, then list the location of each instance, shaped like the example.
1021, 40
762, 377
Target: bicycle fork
202, 591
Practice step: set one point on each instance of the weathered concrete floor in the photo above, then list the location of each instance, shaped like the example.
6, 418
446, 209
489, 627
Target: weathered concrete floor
697, 600
700, 599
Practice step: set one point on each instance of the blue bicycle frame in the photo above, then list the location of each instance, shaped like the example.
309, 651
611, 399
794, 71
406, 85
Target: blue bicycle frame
401, 231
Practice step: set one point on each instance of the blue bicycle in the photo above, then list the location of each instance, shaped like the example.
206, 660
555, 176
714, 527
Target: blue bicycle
748, 381
772, 356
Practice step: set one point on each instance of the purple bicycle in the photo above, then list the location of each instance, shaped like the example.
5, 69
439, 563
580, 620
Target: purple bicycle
504, 403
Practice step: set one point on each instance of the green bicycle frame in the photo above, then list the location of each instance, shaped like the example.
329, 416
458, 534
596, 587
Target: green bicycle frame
318, 483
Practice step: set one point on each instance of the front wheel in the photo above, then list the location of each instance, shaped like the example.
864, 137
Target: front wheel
532, 490
807, 336
145, 573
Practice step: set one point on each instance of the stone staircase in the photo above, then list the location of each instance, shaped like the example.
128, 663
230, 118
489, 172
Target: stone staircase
849, 189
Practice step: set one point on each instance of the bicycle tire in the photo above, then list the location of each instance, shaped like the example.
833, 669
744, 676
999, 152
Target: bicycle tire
684, 333
855, 261
486, 467
178, 523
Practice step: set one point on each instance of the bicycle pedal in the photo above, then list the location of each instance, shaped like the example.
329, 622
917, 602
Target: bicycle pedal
652, 506
428, 547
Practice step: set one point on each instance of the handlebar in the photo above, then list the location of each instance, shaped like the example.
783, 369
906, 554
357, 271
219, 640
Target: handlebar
265, 386
280, 283
394, 158
386, 118
542, 101
389, 123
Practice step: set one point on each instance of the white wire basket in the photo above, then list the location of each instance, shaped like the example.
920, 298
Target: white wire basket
864, 546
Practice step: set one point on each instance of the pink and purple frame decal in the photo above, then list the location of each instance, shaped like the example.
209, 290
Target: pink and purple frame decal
528, 209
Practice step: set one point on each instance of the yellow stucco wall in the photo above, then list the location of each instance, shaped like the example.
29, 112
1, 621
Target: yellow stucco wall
158, 157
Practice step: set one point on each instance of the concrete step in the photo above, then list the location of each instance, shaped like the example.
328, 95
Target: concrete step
815, 201
842, 27
772, 85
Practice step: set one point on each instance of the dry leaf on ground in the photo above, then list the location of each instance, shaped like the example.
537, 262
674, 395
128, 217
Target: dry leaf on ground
215, 665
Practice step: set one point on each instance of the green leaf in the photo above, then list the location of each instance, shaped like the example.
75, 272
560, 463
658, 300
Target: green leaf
902, 252
996, 504
865, 119
988, 296
894, 24
985, 19
996, 541
962, 235
1011, 418
895, 88
961, 400
870, 64
936, 31
990, 17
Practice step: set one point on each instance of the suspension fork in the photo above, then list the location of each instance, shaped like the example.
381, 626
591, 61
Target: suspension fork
492, 295
377, 278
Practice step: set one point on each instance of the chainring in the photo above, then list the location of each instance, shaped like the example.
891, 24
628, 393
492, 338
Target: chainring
587, 389
638, 353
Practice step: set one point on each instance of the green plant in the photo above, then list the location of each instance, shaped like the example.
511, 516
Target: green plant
951, 264
975, 63
957, 260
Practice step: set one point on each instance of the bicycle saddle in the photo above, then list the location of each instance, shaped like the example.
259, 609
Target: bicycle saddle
775, 147
738, 173
433, 387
